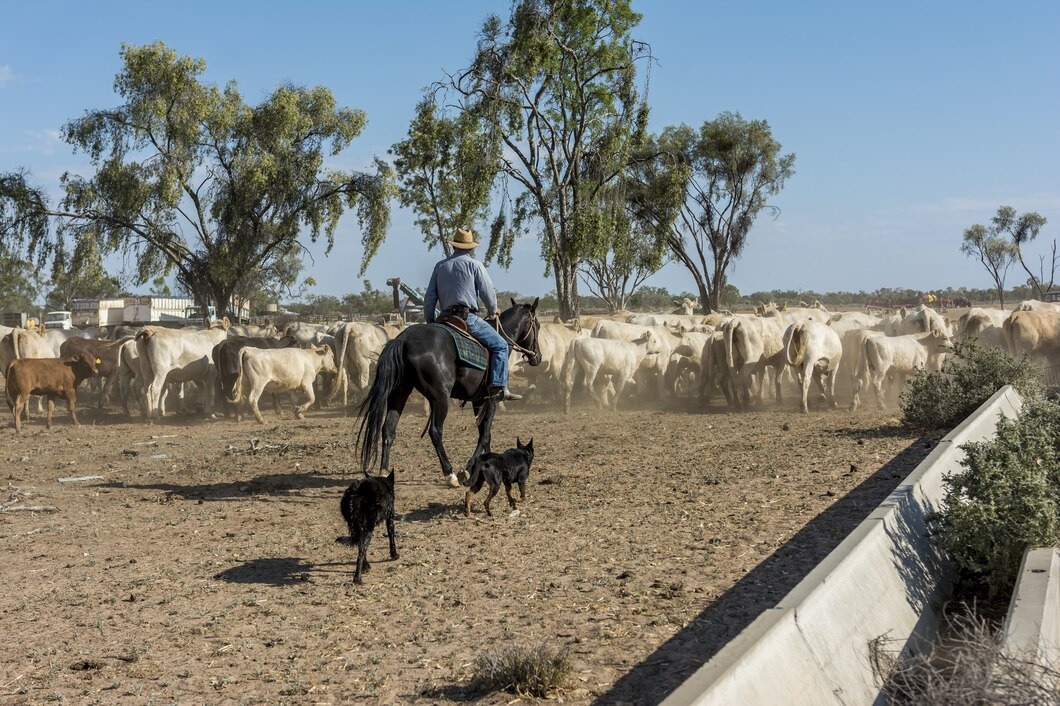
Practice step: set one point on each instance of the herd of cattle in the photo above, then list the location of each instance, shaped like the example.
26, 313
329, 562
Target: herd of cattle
659, 355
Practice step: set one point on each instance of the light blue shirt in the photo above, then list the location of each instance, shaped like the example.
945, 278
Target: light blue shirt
459, 279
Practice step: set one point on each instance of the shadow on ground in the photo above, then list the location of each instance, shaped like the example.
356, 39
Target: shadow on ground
678, 658
280, 571
275, 484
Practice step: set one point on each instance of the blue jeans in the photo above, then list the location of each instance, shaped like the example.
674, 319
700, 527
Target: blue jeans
497, 346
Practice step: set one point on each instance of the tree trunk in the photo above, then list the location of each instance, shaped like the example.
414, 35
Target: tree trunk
1001, 296
566, 288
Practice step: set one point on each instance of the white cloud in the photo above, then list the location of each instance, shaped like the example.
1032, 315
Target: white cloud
7, 74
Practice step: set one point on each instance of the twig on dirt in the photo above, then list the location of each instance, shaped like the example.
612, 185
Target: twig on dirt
78, 479
30, 508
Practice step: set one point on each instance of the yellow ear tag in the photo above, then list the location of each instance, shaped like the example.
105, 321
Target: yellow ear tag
99, 362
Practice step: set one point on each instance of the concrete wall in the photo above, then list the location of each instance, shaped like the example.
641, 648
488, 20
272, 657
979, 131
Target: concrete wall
886, 579
1032, 627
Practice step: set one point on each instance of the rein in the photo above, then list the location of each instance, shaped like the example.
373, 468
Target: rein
515, 346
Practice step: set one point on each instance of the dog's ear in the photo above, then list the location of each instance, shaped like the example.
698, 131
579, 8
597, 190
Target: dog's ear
390, 478
530, 444
518, 443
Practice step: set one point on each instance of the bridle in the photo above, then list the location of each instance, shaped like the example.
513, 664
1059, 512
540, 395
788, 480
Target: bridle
534, 326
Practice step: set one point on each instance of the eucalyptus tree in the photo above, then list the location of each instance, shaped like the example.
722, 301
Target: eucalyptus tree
19, 284
1021, 231
557, 84
993, 252
445, 168
191, 178
724, 172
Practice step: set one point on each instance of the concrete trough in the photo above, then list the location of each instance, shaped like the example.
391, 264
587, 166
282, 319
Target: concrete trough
886, 579
1032, 626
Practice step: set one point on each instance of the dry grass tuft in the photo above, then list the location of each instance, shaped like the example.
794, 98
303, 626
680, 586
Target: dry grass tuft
970, 667
526, 670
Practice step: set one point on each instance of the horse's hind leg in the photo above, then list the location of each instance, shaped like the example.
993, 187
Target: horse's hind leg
439, 411
395, 405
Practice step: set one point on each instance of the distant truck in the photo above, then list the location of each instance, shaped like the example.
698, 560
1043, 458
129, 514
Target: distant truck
97, 312
58, 320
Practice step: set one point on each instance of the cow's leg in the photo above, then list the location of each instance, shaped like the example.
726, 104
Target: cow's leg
51, 408
71, 403
300, 410
877, 386
17, 409
619, 386
104, 392
807, 378
778, 374
252, 399
832, 375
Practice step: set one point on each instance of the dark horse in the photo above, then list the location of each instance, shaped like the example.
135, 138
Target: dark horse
423, 358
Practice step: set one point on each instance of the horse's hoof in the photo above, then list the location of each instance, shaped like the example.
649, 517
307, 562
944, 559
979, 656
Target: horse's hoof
453, 482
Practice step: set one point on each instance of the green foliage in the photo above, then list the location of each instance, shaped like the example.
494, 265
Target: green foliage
722, 177
1006, 499
993, 251
1021, 231
19, 284
969, 376
79, 274
445, 168
556, 84
369, 302
190, 177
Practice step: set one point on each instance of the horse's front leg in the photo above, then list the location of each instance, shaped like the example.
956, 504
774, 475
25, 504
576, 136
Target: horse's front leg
439, 411
484, 412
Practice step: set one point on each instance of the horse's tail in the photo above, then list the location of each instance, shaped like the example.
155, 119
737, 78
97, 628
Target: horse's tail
389, 375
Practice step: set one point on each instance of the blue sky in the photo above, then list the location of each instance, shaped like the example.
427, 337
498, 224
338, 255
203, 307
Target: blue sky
910, 120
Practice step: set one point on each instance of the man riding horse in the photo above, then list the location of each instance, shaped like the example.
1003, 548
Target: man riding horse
456, 284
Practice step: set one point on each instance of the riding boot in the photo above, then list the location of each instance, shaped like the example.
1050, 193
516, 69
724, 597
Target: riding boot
501, 393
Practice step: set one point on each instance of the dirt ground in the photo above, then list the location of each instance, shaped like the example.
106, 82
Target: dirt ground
196, 571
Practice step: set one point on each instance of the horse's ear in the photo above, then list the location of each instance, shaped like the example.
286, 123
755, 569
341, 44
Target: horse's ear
513, 302
533, 307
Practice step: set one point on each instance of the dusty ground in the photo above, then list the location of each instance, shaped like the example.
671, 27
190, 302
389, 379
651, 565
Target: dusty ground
197, 572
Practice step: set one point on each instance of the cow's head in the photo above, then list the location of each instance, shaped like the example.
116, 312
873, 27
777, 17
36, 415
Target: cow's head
85, 365
327, 356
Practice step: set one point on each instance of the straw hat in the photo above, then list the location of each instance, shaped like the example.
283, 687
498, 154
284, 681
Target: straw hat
464, 239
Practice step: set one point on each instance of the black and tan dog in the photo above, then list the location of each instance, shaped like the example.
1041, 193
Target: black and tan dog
513, 466
367, 502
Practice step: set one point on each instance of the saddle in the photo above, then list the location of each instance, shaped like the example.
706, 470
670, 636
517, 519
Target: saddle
469, 351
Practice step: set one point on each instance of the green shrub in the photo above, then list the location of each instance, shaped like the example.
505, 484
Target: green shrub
1006, 499
970, 375
532, 671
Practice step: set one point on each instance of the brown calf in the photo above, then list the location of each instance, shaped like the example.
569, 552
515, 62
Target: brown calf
52, 377
105, 354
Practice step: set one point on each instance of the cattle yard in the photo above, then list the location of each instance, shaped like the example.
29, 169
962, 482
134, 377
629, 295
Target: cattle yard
203, 566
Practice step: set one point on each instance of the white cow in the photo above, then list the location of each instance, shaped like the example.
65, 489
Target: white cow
713, 370
358, 345
1035, 334
814, 349
666, 340
896, 358
983, 325
280, 370
303, 331
252, 331
607, 363
658, 320
1036, 305
177, 355
753, 343
555, 341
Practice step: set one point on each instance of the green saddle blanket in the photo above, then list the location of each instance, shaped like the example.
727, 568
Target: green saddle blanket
468, 352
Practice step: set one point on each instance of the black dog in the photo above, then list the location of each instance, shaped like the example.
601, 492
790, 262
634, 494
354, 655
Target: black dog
366, 503
513, 466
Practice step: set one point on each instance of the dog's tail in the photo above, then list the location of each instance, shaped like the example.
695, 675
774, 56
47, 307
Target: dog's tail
389, 376
476, 472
